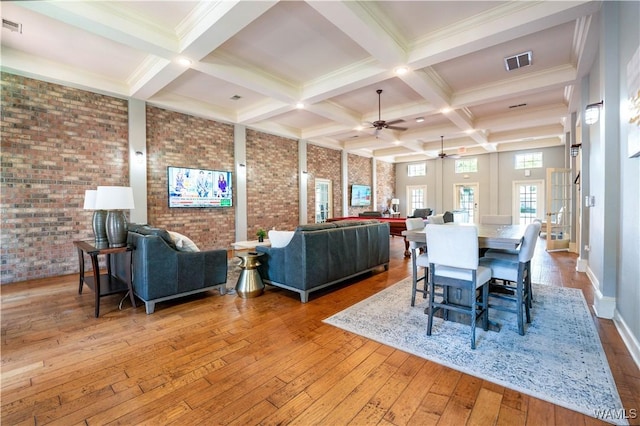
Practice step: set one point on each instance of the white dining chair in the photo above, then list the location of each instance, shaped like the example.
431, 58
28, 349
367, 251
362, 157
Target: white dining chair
514, 274
454, 264
419, 258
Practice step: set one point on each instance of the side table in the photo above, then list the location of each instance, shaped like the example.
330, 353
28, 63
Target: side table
249, 282
102, 284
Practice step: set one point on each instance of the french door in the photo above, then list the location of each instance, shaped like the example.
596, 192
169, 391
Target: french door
417, 198
466, 202
528, 201
558, 223
324, 201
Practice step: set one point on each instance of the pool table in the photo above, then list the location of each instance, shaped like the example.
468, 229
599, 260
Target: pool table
396, 226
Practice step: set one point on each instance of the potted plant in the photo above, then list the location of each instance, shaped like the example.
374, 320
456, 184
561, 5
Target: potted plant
261, 234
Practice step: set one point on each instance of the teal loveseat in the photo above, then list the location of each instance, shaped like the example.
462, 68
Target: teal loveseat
159, 271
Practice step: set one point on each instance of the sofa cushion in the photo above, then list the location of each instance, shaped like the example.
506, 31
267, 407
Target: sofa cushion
182, 242
280, 238
162, 233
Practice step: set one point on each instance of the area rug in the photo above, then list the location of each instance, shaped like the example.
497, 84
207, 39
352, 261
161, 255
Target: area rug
560, 359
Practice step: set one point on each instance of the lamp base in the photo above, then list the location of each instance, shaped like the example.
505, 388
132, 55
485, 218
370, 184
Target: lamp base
99, 227
116, 227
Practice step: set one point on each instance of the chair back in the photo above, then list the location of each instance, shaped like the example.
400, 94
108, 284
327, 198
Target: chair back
528, 247
423, 213
414, 223
437, 219
453, 245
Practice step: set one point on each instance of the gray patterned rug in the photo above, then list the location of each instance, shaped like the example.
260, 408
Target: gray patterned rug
560, 358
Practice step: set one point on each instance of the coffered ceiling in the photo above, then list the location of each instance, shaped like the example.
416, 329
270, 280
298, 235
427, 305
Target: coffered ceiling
253, 62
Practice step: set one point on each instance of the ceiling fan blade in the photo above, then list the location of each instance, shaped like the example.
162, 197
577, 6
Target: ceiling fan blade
396, 128
392, 122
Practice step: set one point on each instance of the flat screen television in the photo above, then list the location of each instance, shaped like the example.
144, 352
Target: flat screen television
199, 187
360, 195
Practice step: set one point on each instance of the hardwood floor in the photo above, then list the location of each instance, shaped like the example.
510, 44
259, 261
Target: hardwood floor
269, 360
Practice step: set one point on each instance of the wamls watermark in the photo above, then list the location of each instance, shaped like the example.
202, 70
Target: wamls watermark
616, 414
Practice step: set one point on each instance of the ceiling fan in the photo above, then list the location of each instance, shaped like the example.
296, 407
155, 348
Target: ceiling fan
381, 124
442, 154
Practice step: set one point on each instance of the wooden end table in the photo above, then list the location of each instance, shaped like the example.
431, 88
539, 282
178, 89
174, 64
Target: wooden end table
102, 284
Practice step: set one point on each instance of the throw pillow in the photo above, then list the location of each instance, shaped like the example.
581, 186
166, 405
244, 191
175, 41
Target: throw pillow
183, 243
280, 238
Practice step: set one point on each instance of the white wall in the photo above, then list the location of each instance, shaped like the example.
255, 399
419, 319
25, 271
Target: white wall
496, 173
614, 179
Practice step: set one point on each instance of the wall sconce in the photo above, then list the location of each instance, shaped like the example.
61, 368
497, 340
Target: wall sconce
242, 165
139, 157
575, 149
592, 113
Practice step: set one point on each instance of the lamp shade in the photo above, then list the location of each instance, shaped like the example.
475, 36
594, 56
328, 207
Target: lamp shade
114, 198
395, 201
90, 199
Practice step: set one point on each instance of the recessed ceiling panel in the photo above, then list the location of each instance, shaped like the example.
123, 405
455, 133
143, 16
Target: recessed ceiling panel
293, 42
550, 48
520, 103
50, 39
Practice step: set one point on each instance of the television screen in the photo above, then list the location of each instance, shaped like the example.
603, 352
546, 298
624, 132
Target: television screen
199, 187
360, 195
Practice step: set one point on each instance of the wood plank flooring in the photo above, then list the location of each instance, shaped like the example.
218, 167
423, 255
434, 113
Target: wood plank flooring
269, 361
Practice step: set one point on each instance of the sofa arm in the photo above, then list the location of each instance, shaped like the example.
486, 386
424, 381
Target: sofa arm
272, 263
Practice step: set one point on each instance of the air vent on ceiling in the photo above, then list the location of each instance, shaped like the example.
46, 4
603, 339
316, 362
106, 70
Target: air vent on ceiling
518, 61
12, 26
236, 97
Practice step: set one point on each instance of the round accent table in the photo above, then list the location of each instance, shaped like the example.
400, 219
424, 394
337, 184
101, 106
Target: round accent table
249, 282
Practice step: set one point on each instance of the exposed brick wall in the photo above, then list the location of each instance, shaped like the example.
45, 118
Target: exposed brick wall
324, 163
57, 142
385, 184
175, 139
360, 172
272, 183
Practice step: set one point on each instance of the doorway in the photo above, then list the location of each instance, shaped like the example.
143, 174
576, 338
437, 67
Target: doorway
324, 200
416, 198
528, 201
465, 202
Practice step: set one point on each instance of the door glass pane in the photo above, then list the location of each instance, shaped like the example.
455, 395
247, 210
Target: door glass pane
466, 203
323, 190
528, 196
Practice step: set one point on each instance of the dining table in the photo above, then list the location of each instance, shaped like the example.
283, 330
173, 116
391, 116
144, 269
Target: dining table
506, 237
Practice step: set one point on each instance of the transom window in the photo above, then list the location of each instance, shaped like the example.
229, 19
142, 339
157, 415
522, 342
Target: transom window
467, 165
418, 169
529, 160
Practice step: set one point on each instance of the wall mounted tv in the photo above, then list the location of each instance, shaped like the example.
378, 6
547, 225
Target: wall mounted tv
360, 195
199, 187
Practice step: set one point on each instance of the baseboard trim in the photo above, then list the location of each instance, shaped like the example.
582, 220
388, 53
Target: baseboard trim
627, 337
582, 265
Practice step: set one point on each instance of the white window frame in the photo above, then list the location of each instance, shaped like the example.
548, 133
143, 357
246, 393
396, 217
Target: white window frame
467, 161
528, 160
421, 168
409, 191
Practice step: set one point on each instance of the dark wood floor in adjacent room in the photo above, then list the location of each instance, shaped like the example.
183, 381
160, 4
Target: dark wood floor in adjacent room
269, 360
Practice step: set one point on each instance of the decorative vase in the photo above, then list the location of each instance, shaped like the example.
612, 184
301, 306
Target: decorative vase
260, 239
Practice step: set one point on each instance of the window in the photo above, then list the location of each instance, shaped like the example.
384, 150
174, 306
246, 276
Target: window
529, 160
419, 169
467, 165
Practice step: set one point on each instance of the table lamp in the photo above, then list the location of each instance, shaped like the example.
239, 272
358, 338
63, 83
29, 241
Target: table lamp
115, 199
395, 202
99, 217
